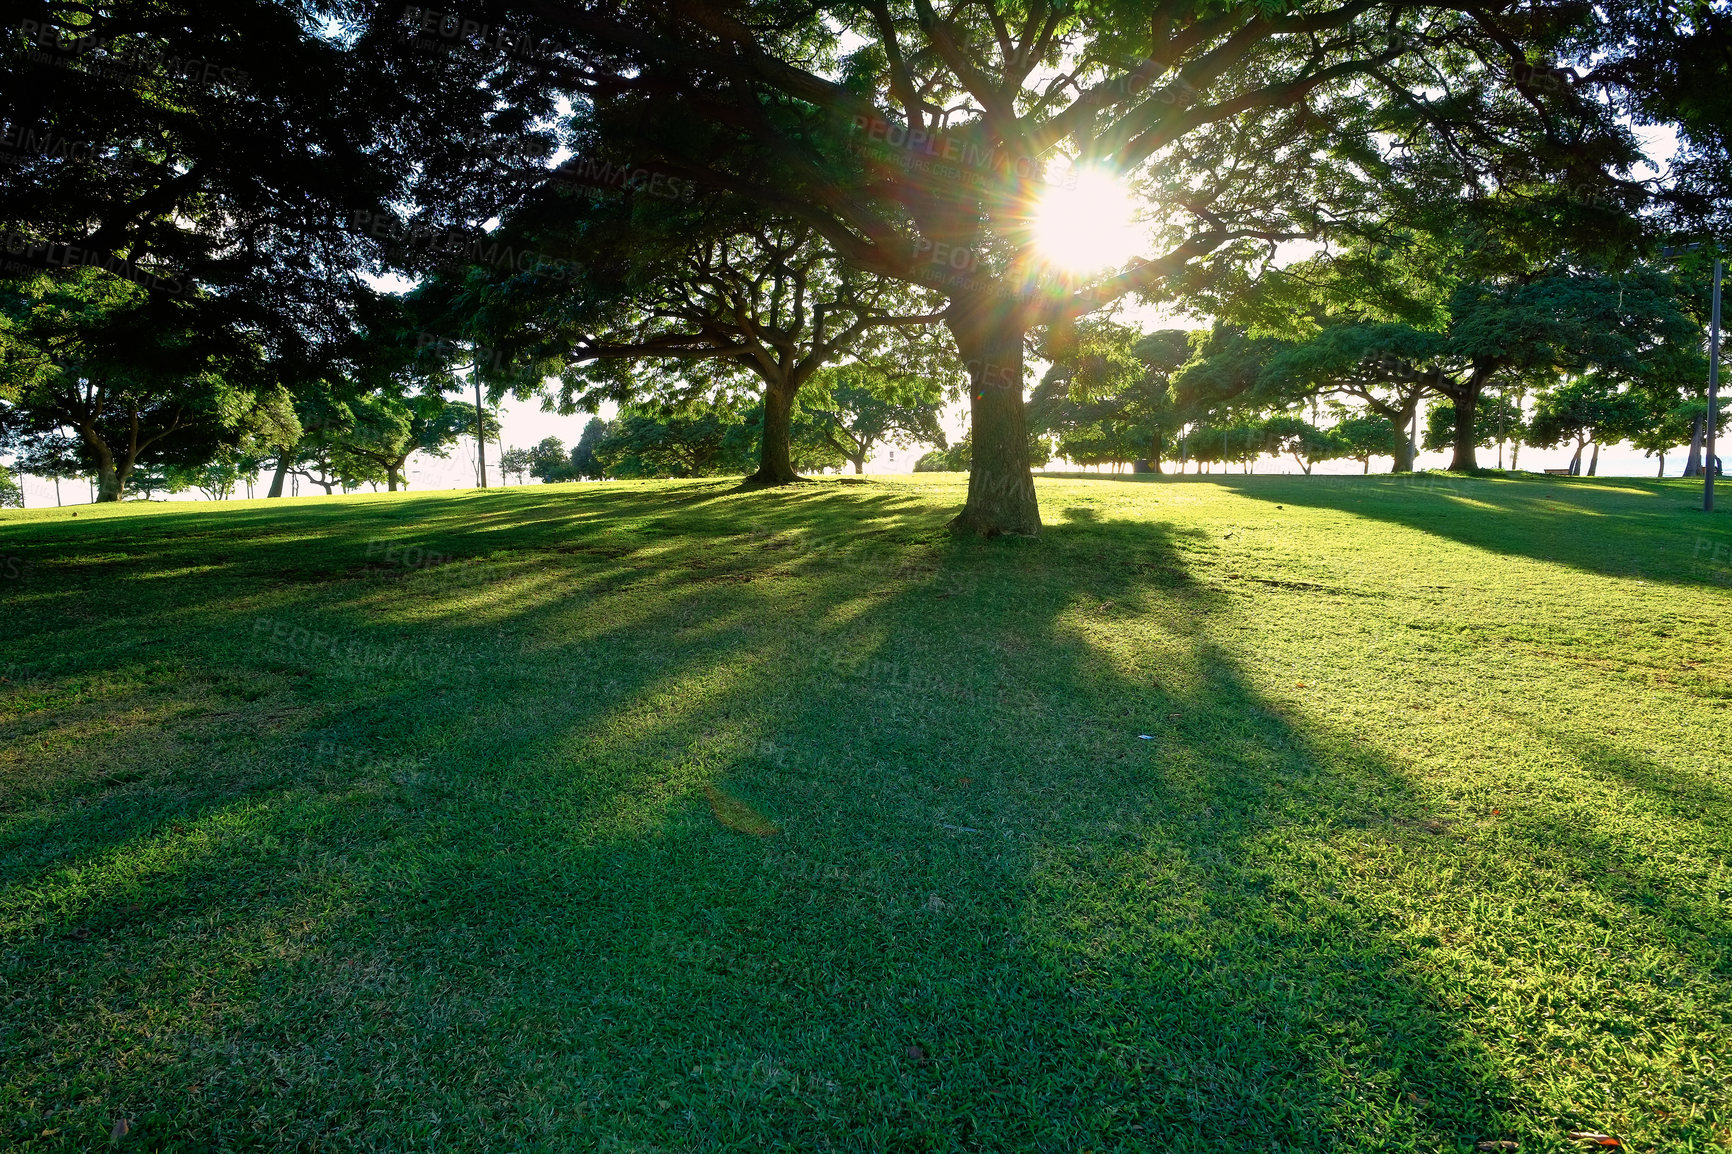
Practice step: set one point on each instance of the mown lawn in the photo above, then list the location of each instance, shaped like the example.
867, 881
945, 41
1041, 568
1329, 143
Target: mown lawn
1232, 814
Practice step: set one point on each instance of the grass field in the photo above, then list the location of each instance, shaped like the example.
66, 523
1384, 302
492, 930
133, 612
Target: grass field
1234, 813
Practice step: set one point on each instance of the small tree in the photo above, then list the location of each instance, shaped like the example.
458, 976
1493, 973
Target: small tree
1364, 436
548, 462
515, 462
11, 492
1304, 441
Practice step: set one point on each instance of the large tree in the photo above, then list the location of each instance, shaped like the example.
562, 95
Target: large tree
668, 300
917, 141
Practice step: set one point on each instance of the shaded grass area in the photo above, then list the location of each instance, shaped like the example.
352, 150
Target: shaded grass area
1232, 814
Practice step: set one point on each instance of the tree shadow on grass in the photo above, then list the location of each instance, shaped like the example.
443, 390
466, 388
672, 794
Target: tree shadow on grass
994, 917
1615, 527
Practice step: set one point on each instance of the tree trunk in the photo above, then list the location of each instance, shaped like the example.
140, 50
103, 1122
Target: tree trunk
1000, 484
1693, 462
859, 464
1405, 418
1594, 461
390, 479
775, 464
1367, 469
281, 473
1576, 461
1662, 471
1160, 447
1466, 401
107, 482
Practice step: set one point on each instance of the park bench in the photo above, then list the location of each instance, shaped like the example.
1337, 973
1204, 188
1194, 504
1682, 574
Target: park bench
1558, 473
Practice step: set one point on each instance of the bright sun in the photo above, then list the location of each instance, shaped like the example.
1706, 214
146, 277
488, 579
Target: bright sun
1086, 222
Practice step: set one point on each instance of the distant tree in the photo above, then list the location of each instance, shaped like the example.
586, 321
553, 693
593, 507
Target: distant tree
548, 462
1109, 394
859, 406
584, 464
149, 480
1364, 436
515, 462
694, 441
1588, 410
385, 431
216, 478
1668, 423
1304, 442
11, 492
940, 461
54, 456
1230, 438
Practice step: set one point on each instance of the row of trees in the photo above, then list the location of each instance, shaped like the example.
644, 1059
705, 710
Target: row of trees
1378, 335
844, 415
692, 211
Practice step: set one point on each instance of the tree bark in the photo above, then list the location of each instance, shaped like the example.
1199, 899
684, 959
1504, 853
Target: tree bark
1404, 419
1000, 483
1155, 456
107, 483
281, 473
859, 465
1693, 462
1594, 461
1576, 461
775, 463
1465, 459
111, 477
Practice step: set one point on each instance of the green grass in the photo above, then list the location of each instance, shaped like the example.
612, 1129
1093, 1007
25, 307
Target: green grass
671, 817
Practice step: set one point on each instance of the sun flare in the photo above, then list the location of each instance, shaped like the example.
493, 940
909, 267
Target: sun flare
1086, 222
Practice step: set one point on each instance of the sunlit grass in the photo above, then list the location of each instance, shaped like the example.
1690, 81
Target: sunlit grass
1234, 813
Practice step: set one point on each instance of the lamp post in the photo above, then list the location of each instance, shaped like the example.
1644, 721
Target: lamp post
1713, 388
480, 423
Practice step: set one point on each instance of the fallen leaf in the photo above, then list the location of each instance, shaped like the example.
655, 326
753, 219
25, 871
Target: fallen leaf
80, 934
737, 815
916, 1054
1300, 684
1497, 1144
965, 781
1595, 1137
122, 1127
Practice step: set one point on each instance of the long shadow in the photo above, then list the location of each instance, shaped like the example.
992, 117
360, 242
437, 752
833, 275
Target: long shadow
1050, 871
1617, 527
